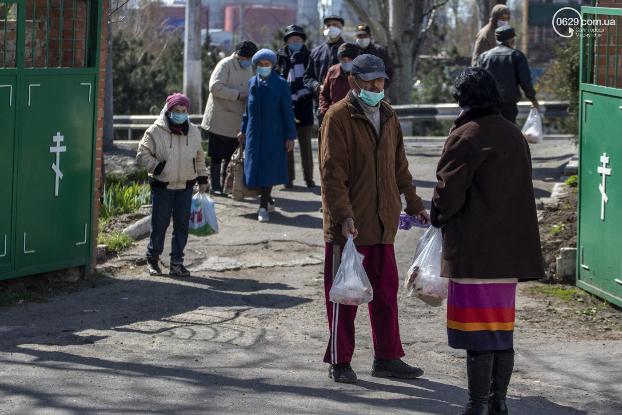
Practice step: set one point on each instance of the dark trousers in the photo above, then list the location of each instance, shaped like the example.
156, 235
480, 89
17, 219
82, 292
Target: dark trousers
265, 196
509, 110
167, 203
381, 268
220, 149
306, 155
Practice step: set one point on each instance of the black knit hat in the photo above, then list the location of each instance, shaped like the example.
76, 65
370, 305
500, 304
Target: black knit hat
246, 49
504, 33
294, 30
348, 50
334, 17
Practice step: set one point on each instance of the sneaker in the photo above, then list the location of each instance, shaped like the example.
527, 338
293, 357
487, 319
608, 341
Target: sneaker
271, 206
342, 373
178, 270
154, 266
263, 215
311, 184
395, 369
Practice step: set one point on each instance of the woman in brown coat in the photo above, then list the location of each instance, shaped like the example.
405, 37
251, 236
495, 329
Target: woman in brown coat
485, 204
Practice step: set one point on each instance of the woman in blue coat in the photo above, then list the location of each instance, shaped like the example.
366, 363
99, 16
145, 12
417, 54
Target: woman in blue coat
268, 130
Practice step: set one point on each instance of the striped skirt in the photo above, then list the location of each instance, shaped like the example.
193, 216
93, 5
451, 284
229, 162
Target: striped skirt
480, 314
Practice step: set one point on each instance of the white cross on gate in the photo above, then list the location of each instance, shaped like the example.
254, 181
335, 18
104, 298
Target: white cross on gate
604, 171
58, 139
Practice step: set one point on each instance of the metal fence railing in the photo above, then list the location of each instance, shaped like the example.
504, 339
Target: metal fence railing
417, 112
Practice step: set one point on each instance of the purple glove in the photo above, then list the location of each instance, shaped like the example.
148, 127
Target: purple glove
407, 222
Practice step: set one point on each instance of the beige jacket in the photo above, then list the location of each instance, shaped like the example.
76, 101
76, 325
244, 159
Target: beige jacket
184, 156
223, 112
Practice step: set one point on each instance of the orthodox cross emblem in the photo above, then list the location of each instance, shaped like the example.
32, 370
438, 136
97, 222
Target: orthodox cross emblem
604, 171
57, 148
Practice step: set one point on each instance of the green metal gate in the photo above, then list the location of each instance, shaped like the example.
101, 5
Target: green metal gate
600, 193
48, 94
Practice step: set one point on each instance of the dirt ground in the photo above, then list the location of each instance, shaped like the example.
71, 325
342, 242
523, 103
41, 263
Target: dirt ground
558, 229
245, 334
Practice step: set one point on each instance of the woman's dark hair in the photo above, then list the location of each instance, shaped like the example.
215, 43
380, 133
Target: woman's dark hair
476, 88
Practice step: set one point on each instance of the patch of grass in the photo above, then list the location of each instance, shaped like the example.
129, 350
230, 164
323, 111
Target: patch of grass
572, 181
119, 198
564, 293
115, 241
557, 229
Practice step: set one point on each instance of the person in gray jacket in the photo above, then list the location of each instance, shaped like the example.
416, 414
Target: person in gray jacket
510, 69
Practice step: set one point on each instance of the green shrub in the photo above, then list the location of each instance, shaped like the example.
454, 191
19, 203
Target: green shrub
120, 198
115, 241
572, 181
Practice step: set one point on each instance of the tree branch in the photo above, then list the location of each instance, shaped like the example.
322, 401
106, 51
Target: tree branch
116, 9
377, 26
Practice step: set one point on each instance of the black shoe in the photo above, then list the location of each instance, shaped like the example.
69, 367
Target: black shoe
497, 407
289, 185
502, 367
342, 373
154, 266
394, 369
311, 184
475, 408
479, 373
178, 270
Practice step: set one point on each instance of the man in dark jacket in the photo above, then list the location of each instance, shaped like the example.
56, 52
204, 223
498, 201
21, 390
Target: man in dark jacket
369, 46
324, 56
510, 69
292, 59
336, 85
364, 171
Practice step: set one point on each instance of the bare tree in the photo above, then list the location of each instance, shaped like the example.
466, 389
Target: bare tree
402, 25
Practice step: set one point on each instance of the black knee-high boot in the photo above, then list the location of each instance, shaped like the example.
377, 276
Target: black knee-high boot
502, 367
214, 170
479, 373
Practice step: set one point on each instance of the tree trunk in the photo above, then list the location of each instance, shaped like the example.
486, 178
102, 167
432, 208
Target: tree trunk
401, 22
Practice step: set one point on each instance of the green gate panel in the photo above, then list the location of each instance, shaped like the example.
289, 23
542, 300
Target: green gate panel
7, 150
55, 171
600, 219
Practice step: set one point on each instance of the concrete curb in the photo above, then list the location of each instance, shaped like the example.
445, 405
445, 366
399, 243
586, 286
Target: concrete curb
139, 229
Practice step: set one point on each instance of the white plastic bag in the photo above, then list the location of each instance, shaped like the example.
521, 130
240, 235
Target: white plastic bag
203, 220
351, 285
532, 130
424, 275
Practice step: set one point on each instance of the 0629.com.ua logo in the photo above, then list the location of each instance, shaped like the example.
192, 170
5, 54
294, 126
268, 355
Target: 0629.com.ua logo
568, 22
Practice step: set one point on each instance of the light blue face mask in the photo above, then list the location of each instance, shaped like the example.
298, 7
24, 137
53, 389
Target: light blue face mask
264, 71
179, 117
370, 98
245, 63
295, 46
346, 66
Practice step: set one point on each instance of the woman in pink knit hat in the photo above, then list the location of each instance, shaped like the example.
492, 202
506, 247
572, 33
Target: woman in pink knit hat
171, 152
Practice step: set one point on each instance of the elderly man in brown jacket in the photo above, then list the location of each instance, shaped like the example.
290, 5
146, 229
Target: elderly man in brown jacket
364, 171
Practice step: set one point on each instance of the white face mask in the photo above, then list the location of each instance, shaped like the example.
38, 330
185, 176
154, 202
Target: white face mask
502, 23
363, 43
332, 31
